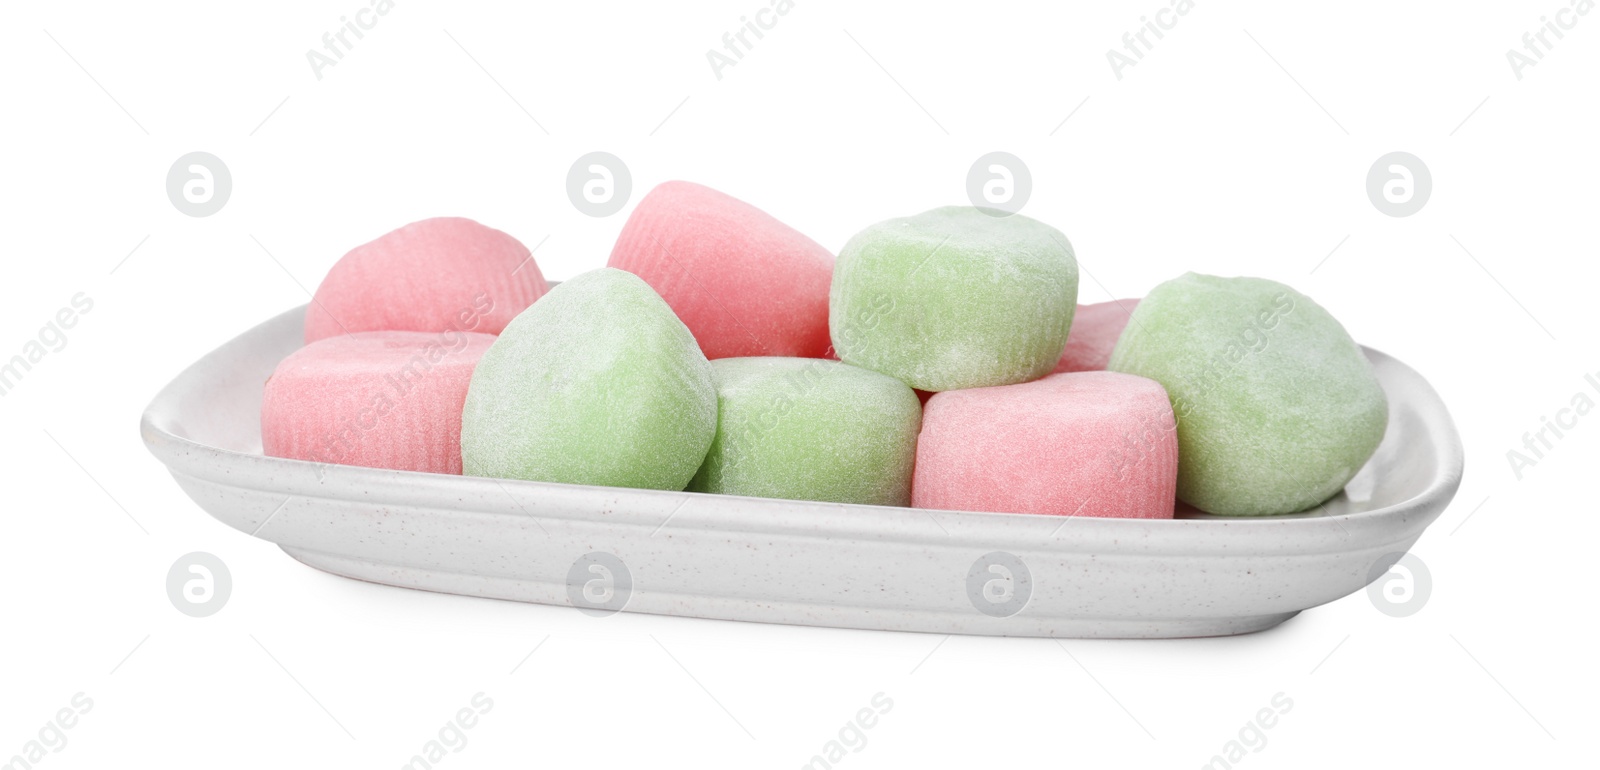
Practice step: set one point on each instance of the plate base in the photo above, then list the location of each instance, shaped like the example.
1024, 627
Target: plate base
732, 608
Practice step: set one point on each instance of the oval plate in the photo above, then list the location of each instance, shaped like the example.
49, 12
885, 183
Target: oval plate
782, 561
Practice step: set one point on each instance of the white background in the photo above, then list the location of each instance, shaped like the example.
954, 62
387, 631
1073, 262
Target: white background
1207, 155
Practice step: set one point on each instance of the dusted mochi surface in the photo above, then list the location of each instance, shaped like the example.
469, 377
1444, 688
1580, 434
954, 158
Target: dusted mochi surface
1277, 407
1095, 329
744, 283
811, 429
1076, 444
434, 275
378, 399
954, 298
596, 383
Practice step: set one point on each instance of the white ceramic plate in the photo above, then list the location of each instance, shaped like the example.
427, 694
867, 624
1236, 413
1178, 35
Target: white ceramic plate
780, 561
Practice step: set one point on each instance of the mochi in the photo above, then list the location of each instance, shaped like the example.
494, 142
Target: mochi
1095, 329
1277, 407
954, 298
596, 383
435, 275
376, 399
743, 282
811, 429
1076, 444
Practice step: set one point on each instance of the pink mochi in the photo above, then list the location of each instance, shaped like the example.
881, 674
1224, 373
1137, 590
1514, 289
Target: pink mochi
1095, 329
1077, 444
440, 274
377, 399
744, 283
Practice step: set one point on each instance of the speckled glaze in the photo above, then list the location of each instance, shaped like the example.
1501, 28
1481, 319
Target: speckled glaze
781, 561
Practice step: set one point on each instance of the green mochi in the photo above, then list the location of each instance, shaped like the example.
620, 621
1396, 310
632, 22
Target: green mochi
1277, 407
809, 429
956, 297
597, 382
